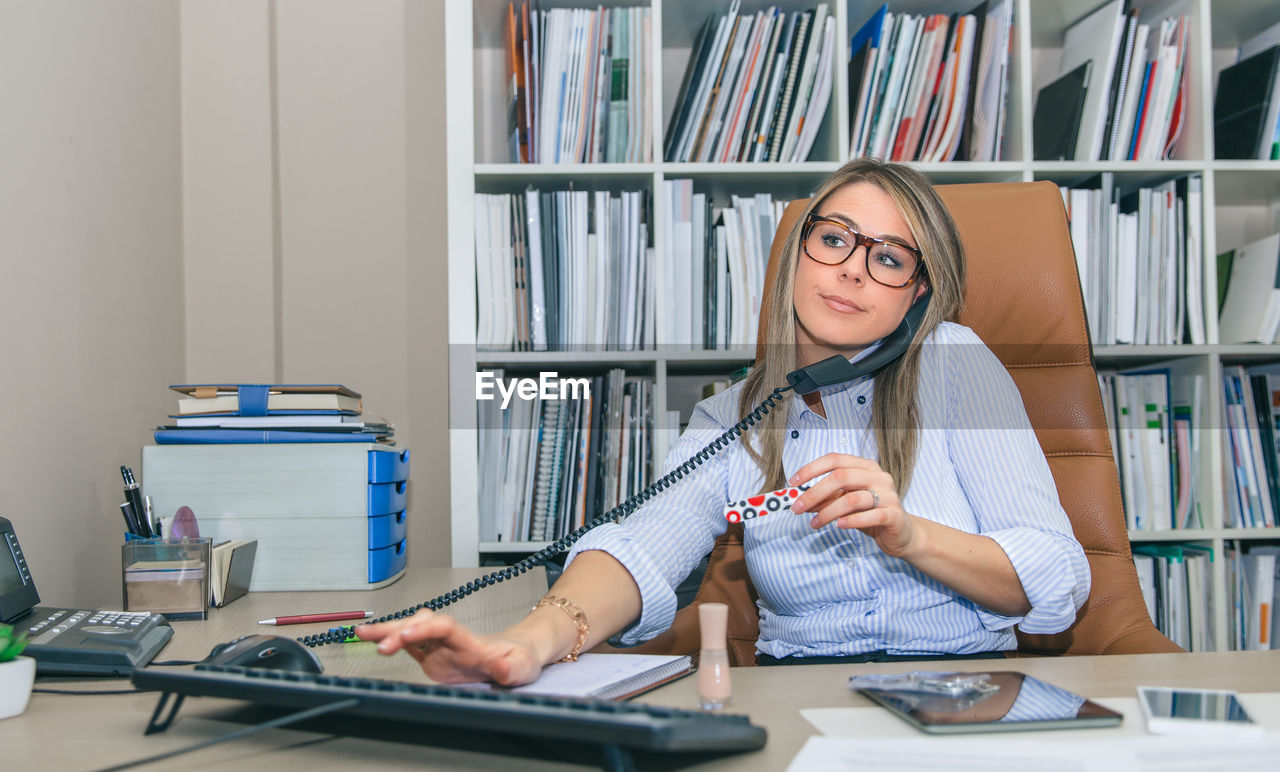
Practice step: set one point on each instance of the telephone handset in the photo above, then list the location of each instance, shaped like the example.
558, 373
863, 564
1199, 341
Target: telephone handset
837, 369
828, 372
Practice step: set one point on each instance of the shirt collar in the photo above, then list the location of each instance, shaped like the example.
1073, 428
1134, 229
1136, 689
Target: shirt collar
840, 388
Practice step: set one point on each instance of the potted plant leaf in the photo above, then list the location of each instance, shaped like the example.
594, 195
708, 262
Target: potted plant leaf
17, 674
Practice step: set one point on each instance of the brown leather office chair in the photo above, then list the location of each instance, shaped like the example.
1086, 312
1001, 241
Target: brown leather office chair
1023, 299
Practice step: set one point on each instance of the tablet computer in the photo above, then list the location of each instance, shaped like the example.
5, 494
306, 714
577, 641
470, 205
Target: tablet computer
1001, 701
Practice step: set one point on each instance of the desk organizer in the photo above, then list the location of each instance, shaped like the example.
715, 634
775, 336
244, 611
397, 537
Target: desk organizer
327, 516
167, 576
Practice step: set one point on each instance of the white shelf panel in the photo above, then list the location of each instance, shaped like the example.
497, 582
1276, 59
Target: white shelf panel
1204, 534
1251, 533
561, 170
752, 169
512, 547
501, 358
1126, 351
1170, 167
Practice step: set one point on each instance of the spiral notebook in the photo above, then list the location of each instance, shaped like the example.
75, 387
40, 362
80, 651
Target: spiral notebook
605, 676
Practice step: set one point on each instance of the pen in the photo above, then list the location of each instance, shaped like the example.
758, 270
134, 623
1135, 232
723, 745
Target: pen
301, 619
153, 522
133, 495
125, 511
130, 520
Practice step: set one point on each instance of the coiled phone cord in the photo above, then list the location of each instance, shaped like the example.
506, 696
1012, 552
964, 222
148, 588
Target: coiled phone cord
341, 634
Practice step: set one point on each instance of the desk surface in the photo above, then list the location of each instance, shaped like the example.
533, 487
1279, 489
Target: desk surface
91, 732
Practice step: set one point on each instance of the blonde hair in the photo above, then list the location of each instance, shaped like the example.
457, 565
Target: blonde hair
895, 412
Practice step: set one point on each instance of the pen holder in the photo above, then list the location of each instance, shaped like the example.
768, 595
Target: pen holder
166, 576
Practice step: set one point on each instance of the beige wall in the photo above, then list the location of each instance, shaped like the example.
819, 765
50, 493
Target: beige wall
313, 171
90, 297
211, 190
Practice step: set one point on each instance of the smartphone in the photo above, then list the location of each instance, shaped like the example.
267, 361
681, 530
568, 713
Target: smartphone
1201, 711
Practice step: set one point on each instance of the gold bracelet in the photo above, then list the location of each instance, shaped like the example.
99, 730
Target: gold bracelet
576, 614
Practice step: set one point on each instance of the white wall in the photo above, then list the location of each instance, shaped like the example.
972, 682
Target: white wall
91, 292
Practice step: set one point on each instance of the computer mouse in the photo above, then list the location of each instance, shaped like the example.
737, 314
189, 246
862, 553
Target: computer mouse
268, 651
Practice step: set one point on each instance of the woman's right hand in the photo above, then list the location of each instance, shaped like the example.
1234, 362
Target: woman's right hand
450, 653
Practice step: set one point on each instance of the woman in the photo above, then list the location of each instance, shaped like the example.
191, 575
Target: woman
931, 525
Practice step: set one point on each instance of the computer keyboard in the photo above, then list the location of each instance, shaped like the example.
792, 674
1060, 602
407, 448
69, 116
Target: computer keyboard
630, 725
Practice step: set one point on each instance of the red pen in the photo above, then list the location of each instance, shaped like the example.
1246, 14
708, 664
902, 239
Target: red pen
302, 619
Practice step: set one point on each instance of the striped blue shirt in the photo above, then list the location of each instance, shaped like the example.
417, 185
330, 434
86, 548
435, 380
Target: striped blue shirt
979, 469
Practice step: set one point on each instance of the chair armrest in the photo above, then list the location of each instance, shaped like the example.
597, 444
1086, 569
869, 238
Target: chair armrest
1147, 640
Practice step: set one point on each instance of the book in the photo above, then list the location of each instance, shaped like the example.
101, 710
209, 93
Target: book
344, 421
265, 399
1056, 121
603, 676
1259, 570
1094, 39
1251, 309
212, 436
1244, 107
231, 570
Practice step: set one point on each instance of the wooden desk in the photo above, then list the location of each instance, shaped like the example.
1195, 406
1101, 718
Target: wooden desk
90, 732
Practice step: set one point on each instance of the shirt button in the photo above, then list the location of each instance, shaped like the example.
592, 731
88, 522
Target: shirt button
862, 400
795, 435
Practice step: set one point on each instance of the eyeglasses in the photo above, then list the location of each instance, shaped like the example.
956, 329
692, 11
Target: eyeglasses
888, 263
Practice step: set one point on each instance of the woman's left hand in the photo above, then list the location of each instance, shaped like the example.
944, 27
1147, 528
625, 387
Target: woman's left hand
856, 493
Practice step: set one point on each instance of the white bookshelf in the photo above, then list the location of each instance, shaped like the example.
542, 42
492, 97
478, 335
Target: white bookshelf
1239, 199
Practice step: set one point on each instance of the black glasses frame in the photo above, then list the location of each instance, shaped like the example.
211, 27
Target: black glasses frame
860, 240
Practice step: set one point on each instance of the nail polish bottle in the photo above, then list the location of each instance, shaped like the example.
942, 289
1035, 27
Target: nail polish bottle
713, 661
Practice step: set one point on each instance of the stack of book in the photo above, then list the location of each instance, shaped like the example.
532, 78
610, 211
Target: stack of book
563, 462
714, 266
1253, 590
1121, 91
579, 87
1153, 420
1140, 257
1175, 582
262, 413
1250, 413
931, 88
756, 87
564, 269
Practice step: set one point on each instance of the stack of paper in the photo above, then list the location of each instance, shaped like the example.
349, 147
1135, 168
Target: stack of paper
563, 270
1136, 95
563, 462
714, 266
1140, 254
756, 88
931, 88
579, 84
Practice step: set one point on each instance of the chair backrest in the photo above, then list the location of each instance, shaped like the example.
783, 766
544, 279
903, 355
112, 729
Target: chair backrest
1023, 299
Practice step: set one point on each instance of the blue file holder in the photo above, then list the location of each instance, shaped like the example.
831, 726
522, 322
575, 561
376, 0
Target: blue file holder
386, 530
386, 466
388, 561
387, 498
